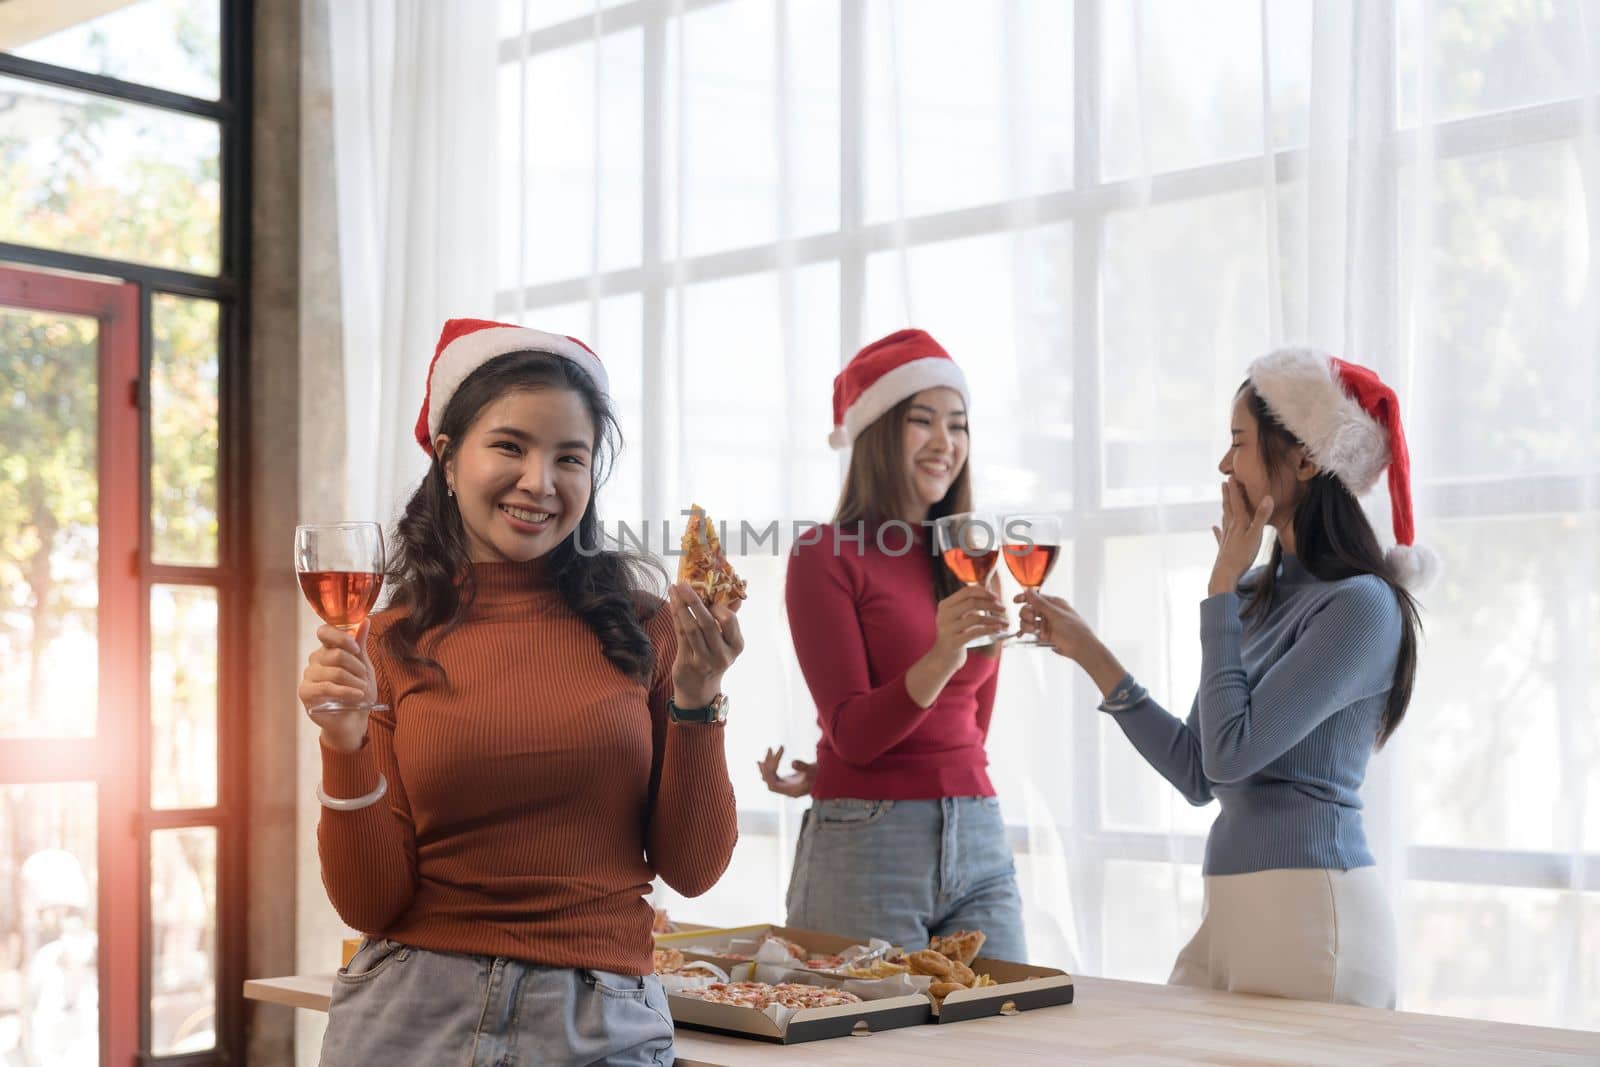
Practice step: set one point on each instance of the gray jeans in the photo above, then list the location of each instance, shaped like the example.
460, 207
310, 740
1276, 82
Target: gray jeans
396, 1004
904, 869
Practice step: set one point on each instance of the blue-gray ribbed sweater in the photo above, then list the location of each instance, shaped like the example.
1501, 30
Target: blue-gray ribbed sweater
1284, 722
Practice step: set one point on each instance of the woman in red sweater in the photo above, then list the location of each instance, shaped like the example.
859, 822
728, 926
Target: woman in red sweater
904, 839
552, 741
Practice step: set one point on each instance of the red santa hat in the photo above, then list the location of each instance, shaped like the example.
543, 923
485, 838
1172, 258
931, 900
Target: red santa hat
1349, 421
885, 373
467, 344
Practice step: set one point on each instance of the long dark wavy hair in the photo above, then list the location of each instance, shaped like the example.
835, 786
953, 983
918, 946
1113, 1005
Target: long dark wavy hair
1333, 540
875, 489
610, 589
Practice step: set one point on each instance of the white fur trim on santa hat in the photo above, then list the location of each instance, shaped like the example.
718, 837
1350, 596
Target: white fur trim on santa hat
908, 379
1415, 566
470, 351
1303, 391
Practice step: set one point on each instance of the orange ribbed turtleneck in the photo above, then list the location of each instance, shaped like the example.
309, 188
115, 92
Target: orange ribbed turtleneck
531, 802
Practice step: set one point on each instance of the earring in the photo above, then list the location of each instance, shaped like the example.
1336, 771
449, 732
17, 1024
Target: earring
450, 490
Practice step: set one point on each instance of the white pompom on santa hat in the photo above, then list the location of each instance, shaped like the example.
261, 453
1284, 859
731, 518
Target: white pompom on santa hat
467, 344
1349, 421
886, 372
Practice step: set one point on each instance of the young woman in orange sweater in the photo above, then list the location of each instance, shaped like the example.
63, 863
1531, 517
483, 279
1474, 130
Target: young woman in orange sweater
553, 739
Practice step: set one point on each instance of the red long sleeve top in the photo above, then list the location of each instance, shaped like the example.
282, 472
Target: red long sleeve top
860, 617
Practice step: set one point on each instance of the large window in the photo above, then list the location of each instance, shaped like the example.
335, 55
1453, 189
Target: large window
123, 254
1104, 210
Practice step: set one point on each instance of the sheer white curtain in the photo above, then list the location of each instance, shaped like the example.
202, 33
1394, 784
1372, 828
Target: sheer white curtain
1105, 210
415, 144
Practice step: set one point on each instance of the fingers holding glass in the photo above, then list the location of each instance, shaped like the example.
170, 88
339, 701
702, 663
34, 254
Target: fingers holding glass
1032, 547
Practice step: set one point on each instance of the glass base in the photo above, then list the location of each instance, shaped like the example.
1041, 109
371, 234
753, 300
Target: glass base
328, 707
1016, 639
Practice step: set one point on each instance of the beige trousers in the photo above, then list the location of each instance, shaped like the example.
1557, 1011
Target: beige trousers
1306, 934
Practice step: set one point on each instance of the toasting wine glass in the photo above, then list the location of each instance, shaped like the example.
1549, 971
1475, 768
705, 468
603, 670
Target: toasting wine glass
969, 544
340, 565
1032, 546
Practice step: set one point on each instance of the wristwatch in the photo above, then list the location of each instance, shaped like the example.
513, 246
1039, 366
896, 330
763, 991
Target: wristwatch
716, 711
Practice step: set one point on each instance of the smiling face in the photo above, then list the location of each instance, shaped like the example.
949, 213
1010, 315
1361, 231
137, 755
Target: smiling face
1245, 463
522, 473
934, 443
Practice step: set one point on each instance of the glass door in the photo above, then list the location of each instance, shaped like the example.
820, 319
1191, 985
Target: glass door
72, 637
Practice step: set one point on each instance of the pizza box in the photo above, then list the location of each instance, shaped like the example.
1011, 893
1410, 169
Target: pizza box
808, 1024
1019, 987
687, 934
679, 929
715, 944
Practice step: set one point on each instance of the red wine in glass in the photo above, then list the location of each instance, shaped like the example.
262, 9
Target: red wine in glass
969, 544
340, 566
1033, 544
973, 568
1030, 565
341, 598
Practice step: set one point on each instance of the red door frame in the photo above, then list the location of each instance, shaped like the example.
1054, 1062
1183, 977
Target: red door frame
112, 754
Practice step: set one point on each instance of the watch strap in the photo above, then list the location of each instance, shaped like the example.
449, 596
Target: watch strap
714, 712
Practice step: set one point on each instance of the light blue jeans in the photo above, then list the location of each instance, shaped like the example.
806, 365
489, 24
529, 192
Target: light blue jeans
904, 870
399, 1004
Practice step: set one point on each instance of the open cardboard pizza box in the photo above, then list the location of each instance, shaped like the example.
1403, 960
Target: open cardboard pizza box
1019, 987
679, 930
808, 1024
712, 937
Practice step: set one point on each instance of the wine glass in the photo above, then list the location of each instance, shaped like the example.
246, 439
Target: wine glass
1032, 547
340, 565
969, 544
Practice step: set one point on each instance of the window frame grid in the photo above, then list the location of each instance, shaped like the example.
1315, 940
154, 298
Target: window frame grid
229, 288
1092, 522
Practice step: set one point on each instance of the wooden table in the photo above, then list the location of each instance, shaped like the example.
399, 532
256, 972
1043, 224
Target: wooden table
1129, 1023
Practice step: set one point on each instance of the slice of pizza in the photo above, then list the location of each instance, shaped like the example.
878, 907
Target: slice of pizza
703, 565
961, 946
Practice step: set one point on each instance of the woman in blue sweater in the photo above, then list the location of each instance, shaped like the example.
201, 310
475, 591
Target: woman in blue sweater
1307, 666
